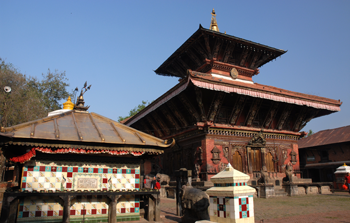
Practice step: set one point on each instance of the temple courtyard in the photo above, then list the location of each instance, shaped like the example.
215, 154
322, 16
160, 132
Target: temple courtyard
319, 208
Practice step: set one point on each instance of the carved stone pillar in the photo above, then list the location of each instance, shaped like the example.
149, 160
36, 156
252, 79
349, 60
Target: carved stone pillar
249, 163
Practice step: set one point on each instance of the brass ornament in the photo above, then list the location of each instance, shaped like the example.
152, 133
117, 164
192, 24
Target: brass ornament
234, 73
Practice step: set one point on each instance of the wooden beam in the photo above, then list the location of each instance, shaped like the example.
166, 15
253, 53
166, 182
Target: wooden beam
300, 118
200, 103
313, 113
237, 109
217, 47
170, 118
183, 64
193, 112
178, 69
161, 123
217, 102
154, 125
253, 111
244, 56
207, 46
271, 114
194, 58
284, 116
146, 128
200, 50
228, 51
263, 58
177, 113
257, 55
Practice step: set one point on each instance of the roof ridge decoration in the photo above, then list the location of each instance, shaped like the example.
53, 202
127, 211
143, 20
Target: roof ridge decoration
80, 101
214, 24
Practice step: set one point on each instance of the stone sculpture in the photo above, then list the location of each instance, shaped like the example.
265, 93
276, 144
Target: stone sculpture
265, 179
289, 174
163, 178
195, 204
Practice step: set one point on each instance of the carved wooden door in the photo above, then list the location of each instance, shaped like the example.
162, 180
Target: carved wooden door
237, 161
269, 163
255, 158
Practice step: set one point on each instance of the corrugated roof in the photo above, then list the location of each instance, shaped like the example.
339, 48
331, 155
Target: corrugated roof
326, 137
79, 128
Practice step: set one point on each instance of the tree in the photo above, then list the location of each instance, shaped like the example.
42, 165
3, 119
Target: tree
29, 99
310, 133
135, 110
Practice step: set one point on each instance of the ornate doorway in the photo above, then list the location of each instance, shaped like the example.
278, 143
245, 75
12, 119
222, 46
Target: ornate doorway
237, 161
269, 163
256, 153
255, 159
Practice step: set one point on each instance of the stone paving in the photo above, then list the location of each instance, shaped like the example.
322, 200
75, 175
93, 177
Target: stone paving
334, 208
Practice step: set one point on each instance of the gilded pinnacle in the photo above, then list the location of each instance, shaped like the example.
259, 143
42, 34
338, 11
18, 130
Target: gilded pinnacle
214, 25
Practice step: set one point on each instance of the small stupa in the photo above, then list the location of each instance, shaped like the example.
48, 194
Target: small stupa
231, 199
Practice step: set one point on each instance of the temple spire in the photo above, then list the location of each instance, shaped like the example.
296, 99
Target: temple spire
214, 25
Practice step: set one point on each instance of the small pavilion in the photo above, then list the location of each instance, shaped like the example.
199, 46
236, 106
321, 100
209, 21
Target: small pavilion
76, 166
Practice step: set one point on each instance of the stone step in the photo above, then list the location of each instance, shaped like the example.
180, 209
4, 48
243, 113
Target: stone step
280, 193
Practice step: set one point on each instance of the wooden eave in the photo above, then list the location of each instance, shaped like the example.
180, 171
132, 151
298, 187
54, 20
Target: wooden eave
264, 89
174, 65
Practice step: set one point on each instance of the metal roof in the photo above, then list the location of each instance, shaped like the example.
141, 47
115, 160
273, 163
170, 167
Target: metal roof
82, 128
326, 137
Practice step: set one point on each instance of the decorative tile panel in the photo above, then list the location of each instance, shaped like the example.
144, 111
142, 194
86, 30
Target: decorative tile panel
65, 176
58, 176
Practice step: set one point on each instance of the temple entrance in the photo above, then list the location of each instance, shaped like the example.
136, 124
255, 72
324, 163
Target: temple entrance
269, 163
237, 161
255, 159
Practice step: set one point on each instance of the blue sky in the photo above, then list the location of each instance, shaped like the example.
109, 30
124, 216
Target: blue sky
116, 45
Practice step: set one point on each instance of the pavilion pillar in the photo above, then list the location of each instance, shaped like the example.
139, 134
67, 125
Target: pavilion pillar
9, 209
112, 208
66, 208
263, 158
153, 212
150, 211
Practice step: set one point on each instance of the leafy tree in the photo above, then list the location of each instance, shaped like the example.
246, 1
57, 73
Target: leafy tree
310, 133
135, 110
29, 99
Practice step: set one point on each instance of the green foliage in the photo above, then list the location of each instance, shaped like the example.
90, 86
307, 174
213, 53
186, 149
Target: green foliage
310, 133
29, 99
135, 110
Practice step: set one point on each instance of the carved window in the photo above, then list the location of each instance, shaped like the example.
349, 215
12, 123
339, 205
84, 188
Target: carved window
216, 155
293, 156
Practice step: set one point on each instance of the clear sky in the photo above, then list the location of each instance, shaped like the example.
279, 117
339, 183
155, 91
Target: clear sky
116, 45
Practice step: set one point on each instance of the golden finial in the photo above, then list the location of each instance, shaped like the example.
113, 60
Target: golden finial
214, 25
344, 164
68, 105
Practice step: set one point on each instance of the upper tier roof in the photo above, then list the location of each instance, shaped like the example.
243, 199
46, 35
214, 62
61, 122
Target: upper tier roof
84, 130
207, 44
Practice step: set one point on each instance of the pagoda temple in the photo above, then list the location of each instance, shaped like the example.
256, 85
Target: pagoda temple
76, 166
219, 115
